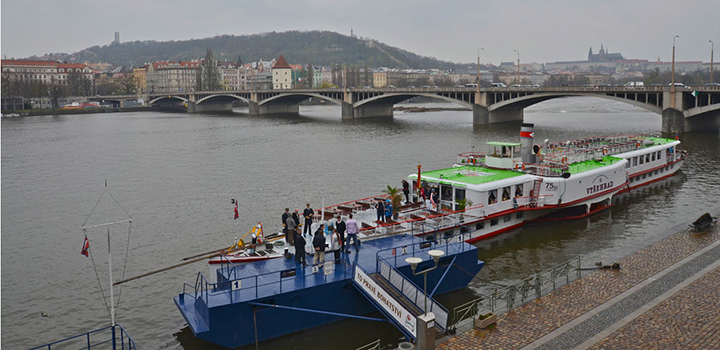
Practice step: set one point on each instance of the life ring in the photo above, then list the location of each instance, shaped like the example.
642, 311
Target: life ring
605, 151
564, 159
637, 144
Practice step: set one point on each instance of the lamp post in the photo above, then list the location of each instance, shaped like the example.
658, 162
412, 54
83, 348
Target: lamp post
478, 69
712, 49
672, 76
414, 261
518, 64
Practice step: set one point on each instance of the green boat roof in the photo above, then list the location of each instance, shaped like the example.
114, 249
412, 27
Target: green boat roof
470, 175
588, 165
659, 140
508, 144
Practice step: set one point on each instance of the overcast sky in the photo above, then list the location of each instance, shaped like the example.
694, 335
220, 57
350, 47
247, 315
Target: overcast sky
542, 31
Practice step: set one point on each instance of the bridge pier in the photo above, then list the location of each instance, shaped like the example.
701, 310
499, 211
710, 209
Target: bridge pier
481, 116
673, 121
192, 107
348, 111
277, 108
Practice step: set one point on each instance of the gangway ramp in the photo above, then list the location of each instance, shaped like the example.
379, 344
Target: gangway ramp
398, 298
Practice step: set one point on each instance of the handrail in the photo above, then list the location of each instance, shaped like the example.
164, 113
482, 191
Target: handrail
113, 339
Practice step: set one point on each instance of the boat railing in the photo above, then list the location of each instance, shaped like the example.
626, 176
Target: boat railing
471, 158
89, 340
445, 244
441, 218
262, 285
412, 292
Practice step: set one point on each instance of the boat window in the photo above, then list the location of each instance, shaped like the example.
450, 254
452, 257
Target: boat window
493, 222
627, 165
519, 215
506, 193
446, 193
518, 190
647, 158
634, 160
480, 225
653, 156
659, 154
459, 194
506, 218
492, 197
642, 160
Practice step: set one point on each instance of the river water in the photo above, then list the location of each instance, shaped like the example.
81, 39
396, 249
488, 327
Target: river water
176, 173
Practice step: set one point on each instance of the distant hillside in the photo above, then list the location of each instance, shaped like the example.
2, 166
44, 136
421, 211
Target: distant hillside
320, 48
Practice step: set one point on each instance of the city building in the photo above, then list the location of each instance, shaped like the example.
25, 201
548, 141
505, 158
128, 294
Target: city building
604, 56
282, 75
171, 76
380, 78
140, 78
48, 72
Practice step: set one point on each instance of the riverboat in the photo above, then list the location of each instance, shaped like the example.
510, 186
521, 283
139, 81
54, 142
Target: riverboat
505, 187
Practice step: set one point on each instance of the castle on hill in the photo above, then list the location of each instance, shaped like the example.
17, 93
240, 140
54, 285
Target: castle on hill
603, 55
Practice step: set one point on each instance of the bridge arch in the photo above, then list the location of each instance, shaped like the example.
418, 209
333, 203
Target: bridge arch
696, 111
295, 98
222, 96
394, 98
529, 100
169, 97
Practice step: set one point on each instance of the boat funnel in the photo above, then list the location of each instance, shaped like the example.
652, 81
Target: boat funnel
526, 140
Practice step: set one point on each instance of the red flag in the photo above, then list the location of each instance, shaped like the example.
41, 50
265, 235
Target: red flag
85, 248
237, 214
677, 135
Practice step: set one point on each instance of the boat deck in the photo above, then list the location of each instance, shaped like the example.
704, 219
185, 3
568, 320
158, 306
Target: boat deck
275, 276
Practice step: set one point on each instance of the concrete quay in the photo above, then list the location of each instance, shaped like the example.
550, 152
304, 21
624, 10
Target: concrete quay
666, 296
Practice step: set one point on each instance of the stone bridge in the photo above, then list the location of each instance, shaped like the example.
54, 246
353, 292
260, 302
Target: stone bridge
683, 109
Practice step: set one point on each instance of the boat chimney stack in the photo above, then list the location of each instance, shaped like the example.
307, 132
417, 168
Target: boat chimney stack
526, 140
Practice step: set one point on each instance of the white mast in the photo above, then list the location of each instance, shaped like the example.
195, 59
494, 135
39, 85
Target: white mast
107, 225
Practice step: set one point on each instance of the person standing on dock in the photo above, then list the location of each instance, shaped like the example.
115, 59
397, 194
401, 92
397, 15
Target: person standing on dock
336, 246
285, 216
388, 211
308, 214
291, 226
406, 191
380, 207
319, 245
352, 233
296, 217
299, 248
340, 228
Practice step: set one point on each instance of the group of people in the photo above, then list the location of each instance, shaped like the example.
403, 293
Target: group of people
384, 210
336, 230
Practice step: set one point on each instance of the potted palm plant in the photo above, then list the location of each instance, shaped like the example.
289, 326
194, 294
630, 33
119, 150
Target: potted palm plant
395, 199
461, 205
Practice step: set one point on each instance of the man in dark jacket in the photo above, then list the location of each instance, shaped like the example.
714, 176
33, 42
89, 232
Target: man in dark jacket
308, 214
340, 228
406, 191
380, 207
319, 245
296, 217
300, 248
285, 216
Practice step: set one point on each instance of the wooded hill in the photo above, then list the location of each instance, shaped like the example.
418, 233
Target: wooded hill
316, 47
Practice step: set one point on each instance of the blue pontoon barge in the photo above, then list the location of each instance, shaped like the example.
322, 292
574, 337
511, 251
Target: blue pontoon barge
267, 299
